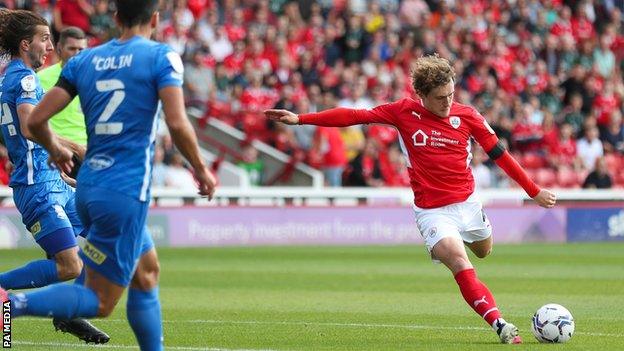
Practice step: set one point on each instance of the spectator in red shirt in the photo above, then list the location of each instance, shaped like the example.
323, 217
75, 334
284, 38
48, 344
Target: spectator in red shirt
605, 103
563, 25
74, 13
393, 168
563, 152
329, 148
236, 29
582, 28
527, 135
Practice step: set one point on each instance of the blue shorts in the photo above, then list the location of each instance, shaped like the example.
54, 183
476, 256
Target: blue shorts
117, 236
49, 212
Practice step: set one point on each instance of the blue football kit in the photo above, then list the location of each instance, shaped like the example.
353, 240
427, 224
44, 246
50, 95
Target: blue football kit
118, 85
44, 200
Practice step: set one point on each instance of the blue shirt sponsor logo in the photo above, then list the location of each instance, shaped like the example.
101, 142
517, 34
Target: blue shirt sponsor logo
100, 162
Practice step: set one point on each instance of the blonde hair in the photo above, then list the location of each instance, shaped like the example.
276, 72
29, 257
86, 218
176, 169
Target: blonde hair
430, 72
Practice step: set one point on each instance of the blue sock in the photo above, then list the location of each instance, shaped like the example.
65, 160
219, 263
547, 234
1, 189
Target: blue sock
143, 311
33, 275
81, 278
59, 300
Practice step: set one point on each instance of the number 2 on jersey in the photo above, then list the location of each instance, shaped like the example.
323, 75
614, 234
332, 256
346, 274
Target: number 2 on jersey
103, 127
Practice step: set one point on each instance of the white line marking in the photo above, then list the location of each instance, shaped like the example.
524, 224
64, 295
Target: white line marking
332, 324
126, 347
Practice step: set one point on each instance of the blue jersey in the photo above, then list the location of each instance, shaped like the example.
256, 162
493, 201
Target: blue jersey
20, 85
118, 85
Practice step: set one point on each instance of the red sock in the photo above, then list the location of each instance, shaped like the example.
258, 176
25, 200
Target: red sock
477, 295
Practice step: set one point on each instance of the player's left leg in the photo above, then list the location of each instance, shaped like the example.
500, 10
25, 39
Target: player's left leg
481, 248
60, 245
143, 307
477, 231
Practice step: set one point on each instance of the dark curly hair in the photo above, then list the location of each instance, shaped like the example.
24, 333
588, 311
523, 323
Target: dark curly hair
430, 72
15, 26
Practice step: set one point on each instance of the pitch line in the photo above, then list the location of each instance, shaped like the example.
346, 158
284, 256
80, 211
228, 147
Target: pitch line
329, 324
125, 347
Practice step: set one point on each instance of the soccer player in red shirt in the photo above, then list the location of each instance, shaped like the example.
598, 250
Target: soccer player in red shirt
435, 135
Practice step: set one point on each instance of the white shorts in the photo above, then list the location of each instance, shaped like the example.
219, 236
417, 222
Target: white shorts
464, 220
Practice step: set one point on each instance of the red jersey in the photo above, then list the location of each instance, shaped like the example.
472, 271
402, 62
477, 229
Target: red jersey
438, 149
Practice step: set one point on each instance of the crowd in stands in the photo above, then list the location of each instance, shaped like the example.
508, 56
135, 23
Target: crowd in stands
546, 74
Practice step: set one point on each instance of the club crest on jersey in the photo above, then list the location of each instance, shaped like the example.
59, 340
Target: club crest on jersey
29, 83
433, 232
454, 121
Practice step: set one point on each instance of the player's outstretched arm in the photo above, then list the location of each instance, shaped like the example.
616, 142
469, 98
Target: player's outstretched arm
184, 137
334, 117
283, 116
504, 160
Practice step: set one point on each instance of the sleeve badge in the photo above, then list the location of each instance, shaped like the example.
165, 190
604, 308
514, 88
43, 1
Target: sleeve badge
29, 83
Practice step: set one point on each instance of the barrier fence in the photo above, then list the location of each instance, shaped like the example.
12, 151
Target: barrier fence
381, 220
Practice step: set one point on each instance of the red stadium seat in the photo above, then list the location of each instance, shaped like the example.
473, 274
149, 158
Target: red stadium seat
567, 178
532, 161
617, 178
614, 162
546, 177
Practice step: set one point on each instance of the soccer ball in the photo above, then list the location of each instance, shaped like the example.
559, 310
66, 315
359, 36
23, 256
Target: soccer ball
552, 323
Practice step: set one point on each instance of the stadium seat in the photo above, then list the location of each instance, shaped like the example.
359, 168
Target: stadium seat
532, 161
567, 178
617, 178
614, 162
546, 177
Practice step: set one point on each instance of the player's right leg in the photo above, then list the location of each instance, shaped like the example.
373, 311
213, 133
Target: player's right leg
45, 218
113, 244
440, 228
110, 254
79, 327
451, 252
112, 262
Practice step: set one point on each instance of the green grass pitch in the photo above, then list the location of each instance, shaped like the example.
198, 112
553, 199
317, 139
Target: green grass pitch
360, 298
